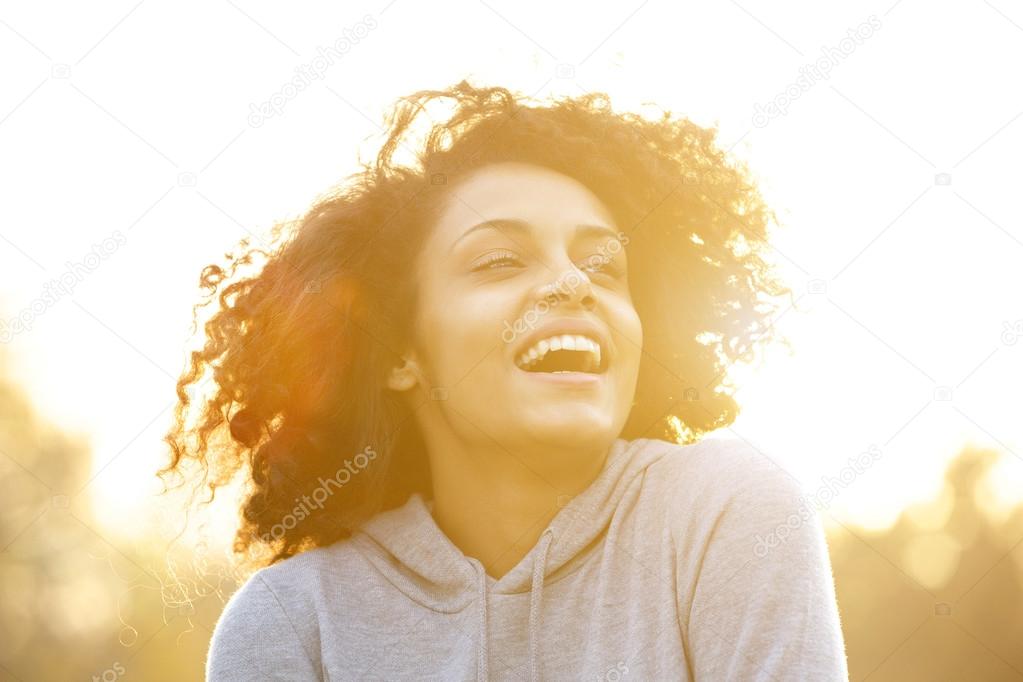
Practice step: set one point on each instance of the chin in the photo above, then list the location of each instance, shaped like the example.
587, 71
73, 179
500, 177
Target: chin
579, 432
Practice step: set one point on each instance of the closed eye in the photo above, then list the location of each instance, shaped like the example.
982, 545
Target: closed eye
607, 266
491, 262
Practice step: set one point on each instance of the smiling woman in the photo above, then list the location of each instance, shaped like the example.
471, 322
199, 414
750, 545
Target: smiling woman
517, 329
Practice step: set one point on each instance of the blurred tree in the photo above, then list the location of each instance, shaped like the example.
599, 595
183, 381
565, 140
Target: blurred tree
74, 604
939, 595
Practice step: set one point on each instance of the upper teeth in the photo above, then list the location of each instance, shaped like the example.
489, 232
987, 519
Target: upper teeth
577, 342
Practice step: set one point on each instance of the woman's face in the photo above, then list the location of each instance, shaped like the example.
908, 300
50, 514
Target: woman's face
522, 255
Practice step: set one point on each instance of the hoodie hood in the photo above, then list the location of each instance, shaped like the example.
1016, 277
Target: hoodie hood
409, 549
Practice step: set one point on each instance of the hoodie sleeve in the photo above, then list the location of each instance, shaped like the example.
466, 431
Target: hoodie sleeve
256, 640
763, 597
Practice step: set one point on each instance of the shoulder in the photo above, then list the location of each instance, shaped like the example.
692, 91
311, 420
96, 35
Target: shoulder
723, 484
754, 575
302, 580
255, 605
269, 623
722, 469
253, 632
749, 556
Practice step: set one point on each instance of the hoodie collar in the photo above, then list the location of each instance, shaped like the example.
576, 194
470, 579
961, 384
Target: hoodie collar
411, 551
407, 540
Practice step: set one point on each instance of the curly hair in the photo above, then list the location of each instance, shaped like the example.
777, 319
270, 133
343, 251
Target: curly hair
299, 350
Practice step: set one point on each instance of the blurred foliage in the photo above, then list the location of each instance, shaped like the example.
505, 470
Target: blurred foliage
75, 602
939, 596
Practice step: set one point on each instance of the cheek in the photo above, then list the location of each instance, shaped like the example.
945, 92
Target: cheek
637, 327
627, 321
433, 339
459, 331
630, 341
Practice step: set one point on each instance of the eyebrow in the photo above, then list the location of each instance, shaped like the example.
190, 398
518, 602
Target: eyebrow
516, 226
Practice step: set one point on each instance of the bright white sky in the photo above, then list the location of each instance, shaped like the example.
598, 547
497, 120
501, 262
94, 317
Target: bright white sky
135, 117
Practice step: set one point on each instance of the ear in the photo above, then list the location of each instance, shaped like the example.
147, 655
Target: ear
404, 376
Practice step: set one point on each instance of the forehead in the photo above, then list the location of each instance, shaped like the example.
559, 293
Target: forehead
537, 195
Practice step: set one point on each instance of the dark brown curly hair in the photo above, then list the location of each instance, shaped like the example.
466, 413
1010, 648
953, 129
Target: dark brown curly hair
298, 351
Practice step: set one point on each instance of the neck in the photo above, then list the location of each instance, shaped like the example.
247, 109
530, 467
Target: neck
494, 504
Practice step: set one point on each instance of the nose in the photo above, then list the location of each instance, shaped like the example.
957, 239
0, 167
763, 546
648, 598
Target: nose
571, 285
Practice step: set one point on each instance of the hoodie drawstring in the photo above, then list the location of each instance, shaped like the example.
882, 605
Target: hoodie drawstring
482, 655
535, 600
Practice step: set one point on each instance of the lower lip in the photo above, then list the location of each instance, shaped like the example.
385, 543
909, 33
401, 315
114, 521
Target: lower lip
567, 379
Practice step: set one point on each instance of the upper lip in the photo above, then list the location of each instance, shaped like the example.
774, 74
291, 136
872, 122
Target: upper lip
569, 325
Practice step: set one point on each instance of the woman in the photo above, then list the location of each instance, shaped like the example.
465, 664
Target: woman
468, 395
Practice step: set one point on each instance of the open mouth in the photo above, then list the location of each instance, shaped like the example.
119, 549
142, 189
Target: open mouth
564, 354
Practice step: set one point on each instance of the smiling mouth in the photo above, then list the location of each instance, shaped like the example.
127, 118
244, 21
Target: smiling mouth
564, 354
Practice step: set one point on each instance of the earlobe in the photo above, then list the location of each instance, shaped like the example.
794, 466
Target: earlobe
403, 377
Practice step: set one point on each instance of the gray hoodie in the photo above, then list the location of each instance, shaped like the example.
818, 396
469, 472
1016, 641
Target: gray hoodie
697, 562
